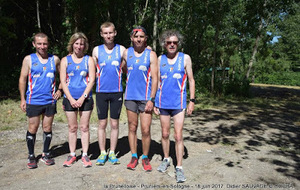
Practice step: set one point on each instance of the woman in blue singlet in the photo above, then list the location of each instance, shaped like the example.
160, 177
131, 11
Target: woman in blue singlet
77, 76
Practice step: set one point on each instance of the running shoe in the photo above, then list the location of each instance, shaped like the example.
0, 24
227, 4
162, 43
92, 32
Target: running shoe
47, 159
70, 160
101, 159
163, 166
133, 163
180, 176
113, 159
86, 161
31, 164
146, 165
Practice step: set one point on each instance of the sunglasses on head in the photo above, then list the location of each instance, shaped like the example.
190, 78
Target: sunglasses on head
170, 42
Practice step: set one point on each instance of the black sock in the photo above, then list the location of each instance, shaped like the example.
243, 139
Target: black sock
47, 137
30, 139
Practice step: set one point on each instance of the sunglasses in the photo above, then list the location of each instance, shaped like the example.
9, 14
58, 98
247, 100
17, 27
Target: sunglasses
170, 42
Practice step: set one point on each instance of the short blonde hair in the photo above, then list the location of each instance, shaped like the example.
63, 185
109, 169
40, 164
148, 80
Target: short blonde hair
40, 35
74, 38
106, 25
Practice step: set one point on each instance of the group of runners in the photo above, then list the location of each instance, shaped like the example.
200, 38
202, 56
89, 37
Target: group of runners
153, 84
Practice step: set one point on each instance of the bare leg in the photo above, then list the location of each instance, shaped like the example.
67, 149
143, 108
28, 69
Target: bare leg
73, 126
146, 119
102, 134
47, 123
114, 134
132, 128
84, 128
165, 127
33, 124
178, 126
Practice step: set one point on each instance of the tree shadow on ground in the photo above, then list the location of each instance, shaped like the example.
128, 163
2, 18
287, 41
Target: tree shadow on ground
62, 149
121, 149
273, 123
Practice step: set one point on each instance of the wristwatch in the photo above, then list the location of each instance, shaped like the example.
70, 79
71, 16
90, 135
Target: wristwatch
85, 95
152, 99
192, 100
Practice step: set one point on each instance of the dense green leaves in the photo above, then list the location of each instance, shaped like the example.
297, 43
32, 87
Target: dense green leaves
218, 33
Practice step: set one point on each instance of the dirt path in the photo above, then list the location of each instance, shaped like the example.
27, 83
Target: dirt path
236, 146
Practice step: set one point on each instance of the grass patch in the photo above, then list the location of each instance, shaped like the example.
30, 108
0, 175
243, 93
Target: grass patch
11, 115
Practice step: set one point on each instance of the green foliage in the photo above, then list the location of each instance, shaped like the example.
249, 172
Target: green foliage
217, 33
280, 78
237, 86
202, 82
233, 83
289, 41
9, 86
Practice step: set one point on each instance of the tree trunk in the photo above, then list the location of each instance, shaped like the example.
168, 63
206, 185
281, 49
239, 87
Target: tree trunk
214, 59
38, 14
254, 49
50, 19
155, 26
144, 12
256, 43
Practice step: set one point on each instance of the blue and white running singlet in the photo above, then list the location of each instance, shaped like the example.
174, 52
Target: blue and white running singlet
77, 76
41, 81
109, 72
138, 83
171, 93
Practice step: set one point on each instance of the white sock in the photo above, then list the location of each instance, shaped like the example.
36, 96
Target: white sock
72, 154
179, 167
169, 159
103, 152
111, 151
84, 154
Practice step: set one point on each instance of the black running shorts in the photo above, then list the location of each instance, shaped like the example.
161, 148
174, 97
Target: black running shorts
112, 100
36, 110
87, 105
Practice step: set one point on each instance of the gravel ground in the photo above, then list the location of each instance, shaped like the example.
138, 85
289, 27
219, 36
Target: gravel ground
237, 146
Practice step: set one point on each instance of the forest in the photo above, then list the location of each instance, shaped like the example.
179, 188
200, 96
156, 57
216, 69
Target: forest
232, 43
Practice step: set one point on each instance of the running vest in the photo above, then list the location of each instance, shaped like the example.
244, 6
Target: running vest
171, 93
109, 72
41, 81
138, 83
77, 76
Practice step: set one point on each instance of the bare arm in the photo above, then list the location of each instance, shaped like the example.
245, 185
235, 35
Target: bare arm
122, 50
95, 55
22, 81
154, 75
124, 61
156, 110
63, 81
58, 93
158, 71
189, 72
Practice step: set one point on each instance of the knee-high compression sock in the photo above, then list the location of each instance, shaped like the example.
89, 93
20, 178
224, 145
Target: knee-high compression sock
30, 139
47, 137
